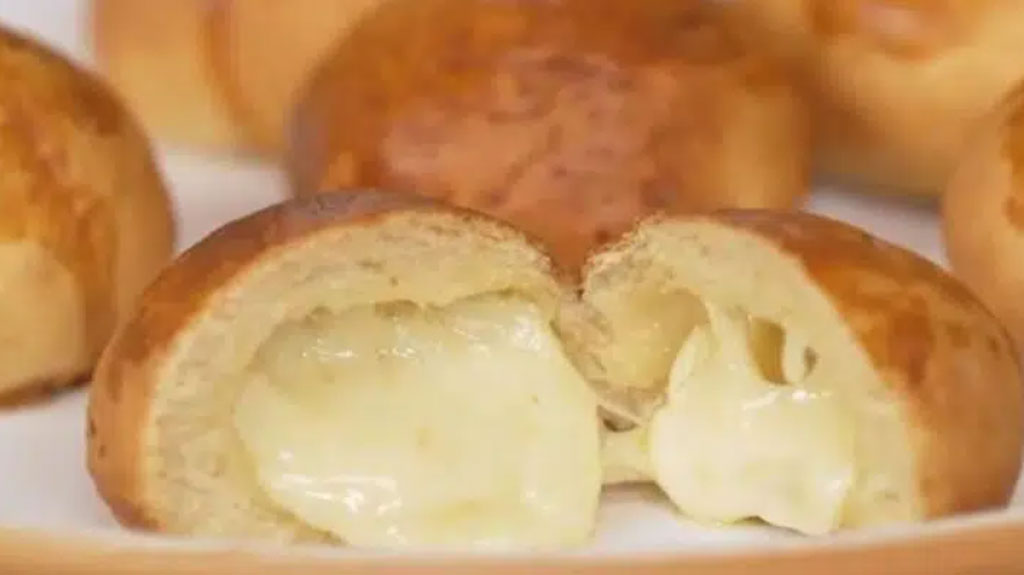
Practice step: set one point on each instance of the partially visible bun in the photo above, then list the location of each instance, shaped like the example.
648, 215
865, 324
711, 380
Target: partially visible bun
219, 75
897, 85
571, 119
85, 221
983, 214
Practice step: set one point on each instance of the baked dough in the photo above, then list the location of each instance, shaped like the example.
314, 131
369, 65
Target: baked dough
897, 85
358, 367
595, 112
832, 380
85, 222
381, 370
219, 75
983, 214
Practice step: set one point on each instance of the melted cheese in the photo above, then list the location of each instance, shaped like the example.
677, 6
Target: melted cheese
730, 445
462, 427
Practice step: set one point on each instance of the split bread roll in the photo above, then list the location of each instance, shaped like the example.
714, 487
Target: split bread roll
85, 222
384, 371
595, 112
897, 85
216, 74
983, 214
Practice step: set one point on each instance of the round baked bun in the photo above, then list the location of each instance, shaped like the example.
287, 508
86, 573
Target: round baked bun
84, 219
771, 365
983, 214
216, 74
570, 119
360, 367
791, 368
897, 86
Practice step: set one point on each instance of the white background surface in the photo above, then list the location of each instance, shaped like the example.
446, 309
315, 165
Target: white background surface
43, 482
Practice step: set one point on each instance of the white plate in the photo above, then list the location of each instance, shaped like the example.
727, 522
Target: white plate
52, 521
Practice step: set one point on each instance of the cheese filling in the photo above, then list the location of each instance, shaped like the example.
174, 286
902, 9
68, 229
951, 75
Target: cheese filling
734, 441
403, 426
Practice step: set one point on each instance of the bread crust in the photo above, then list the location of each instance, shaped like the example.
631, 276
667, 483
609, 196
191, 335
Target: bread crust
79, 187
121, 394
896, 86
983, 213
216, 74
590, 111
165, 60
945, 357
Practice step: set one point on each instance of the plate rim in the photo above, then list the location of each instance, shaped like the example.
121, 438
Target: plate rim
991, 542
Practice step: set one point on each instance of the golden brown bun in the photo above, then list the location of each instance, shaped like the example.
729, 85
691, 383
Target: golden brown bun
219, 75
570, 119
924, 374
85, 222
399, 248
983, 214
904, 333
897, 84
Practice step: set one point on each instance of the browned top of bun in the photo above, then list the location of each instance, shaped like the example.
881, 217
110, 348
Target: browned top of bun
936, 346
569, 117
61, 137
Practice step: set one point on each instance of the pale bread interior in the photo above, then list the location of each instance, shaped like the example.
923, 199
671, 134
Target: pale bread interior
253, 436
43, 334
772, 410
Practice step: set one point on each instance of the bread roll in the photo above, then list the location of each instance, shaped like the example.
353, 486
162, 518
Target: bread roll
983, 214
817, 378
897, 85
216, 74
773, 365
570, 119
438, 408
84, 219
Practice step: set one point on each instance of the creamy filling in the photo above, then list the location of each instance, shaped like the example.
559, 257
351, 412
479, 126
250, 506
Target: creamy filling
403, 426
747, 430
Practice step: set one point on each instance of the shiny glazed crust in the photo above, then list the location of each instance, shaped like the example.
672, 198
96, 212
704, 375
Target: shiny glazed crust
983, 214
80, 191
943, 355
897, 85
216, 74
592, 111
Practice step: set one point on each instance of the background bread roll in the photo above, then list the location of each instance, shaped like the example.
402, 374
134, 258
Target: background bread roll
85, 222
905, 403
983, 214
570, 119
897, 85
217, 74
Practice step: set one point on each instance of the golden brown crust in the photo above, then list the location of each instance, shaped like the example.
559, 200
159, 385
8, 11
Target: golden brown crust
897, 85
941, 352
120, 396
218, 74
593, 112
165, 60
71, 161
983, 214
273, 47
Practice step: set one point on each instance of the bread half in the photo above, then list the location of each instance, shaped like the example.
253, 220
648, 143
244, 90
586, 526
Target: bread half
362, 367
753, 364
791, 368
